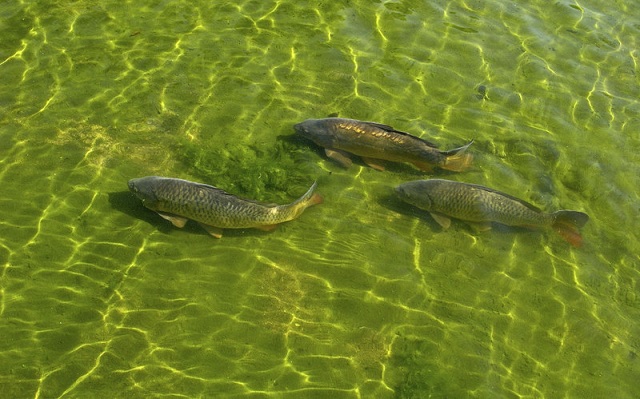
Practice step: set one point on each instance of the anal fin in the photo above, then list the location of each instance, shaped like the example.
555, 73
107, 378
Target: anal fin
267, 227
423, 166
376, 164
481, 226
215, 232
340, 157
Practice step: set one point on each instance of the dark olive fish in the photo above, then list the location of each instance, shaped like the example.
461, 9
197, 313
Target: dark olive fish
178, 200
374, 142
445, 199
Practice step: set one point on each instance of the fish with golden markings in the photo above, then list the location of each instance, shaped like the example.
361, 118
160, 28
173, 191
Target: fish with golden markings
445, 199
375, 143
178, 200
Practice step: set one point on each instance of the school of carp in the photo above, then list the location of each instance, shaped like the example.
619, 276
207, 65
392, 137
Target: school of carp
178, 200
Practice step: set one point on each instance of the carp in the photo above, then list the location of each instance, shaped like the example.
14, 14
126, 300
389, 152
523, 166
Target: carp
178, 200
445, 199
375, 142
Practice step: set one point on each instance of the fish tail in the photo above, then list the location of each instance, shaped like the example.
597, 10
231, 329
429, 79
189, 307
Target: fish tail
457, 160
567, 223
308, 199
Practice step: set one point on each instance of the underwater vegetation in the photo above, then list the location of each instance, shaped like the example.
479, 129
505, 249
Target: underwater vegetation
275, 172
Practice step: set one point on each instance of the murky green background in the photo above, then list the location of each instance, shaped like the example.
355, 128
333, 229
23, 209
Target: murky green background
361, 297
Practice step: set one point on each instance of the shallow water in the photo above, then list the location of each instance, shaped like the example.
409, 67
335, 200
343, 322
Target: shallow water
362, 296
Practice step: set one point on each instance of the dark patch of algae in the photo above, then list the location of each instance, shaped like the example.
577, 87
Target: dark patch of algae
278, 172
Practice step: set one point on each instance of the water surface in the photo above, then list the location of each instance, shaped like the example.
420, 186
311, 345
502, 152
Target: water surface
362, 296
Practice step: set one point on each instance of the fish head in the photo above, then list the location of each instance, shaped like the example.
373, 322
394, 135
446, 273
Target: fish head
415, 193
143, 188
316, 130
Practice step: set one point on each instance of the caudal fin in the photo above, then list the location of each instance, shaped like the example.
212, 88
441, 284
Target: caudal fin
309, 198
316, 199
295, 209
567, 223
457, 160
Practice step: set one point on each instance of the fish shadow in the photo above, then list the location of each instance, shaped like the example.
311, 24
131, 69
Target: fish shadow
396, 205
297, 142
127, 203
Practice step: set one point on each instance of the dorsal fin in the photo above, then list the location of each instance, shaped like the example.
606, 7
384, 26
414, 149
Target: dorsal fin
221, 192
511, 197
388, 128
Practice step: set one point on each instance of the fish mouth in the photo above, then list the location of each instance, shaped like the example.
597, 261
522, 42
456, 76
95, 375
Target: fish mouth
301, 129
400, 192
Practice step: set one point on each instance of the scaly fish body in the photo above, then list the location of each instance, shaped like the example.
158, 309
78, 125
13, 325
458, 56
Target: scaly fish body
374, 141
445, 199
178, 200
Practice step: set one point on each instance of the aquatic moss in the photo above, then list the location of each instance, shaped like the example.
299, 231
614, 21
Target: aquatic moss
277, 172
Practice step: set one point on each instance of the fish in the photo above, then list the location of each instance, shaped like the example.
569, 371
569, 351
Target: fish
446, 199
178, 200
376, 142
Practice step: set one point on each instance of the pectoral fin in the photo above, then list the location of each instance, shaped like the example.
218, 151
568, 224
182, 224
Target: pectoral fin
442, 220
423, 166
214, 231
374, 163
177, 221
339, 156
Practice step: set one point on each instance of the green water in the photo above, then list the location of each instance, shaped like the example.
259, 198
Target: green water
362, 296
